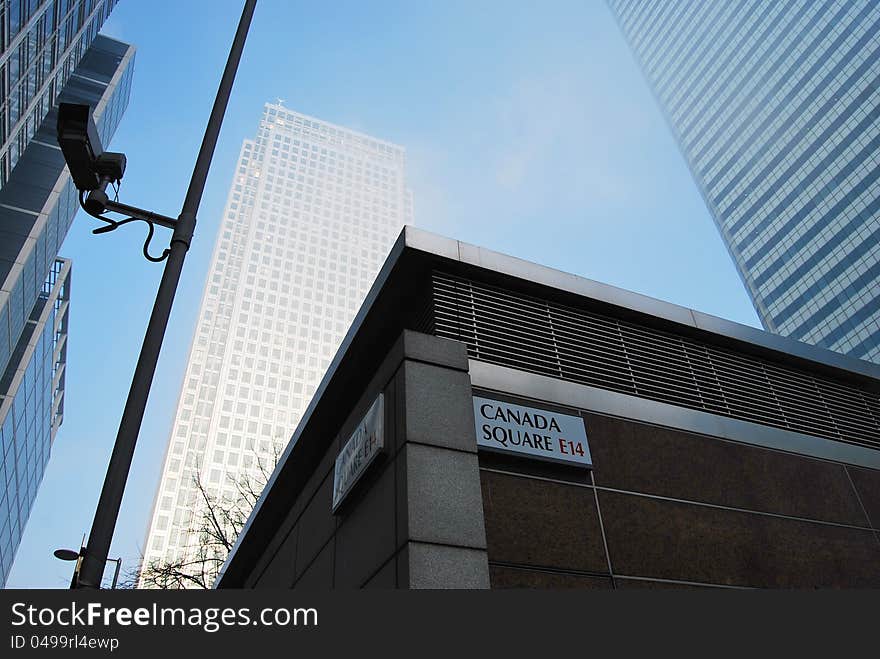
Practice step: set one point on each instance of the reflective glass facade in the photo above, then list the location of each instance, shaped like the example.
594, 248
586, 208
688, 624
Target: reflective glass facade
311, 214
776, 107
37, 205
41, 43
33, 409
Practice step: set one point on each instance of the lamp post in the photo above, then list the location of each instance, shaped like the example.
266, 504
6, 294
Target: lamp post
71, 555
93, 558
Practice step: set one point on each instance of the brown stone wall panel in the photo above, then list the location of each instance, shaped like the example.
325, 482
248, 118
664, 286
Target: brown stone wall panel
316, 525
319, 574
401, 499
265, 559
669, 540
284, 529
315, 481
507, 577
399, 410
647, 584
541, 523
280, 572
390, 421
402, 567
385, 578
529, 466
867, 483
365, 538
644, 458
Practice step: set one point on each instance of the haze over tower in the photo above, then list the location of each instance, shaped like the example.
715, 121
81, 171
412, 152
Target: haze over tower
311, 214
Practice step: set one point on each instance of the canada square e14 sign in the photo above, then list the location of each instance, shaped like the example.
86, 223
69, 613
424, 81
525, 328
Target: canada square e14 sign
531, 432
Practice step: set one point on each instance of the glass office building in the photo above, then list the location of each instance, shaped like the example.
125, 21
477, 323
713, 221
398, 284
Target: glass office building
32, 407
776, 108
41, 44
312, 212
37, 204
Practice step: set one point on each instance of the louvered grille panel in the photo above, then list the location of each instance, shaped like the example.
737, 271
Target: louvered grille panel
511, 329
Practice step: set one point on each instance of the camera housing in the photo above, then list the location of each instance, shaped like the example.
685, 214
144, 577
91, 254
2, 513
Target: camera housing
110, 166
80, 143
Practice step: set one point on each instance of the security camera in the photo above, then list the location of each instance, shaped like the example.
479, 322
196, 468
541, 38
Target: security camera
80, 144
90, 166
93, 170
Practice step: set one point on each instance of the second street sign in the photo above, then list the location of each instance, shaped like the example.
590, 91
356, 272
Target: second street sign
366, 444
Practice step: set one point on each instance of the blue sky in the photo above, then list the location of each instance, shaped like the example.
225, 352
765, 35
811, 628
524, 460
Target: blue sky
529, 130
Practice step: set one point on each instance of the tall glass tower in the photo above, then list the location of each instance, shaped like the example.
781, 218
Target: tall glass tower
51, 52
776, 108
312, 213
41, 43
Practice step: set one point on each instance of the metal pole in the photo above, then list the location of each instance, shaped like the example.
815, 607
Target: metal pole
118, 562
76, 567
107, 512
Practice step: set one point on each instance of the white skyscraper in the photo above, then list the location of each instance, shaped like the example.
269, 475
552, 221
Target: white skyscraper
313, 210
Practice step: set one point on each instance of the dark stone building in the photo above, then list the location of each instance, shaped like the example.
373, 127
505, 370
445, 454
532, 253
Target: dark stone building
722, 456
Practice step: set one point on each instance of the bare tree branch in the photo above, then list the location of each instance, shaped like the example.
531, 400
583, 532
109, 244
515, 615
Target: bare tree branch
217, 521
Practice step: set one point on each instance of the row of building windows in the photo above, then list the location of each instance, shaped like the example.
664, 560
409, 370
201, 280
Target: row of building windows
35, 68
847, 264
773, 114
787, 137
828, 206
758, 37
781, 84
827, 153
295, 255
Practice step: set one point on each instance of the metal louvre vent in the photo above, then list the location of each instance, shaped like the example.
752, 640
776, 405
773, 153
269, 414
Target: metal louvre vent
511, 329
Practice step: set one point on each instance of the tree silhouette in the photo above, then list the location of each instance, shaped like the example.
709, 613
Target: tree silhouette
217, 522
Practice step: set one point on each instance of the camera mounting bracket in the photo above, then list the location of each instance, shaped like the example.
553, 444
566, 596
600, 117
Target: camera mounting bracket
96, 203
